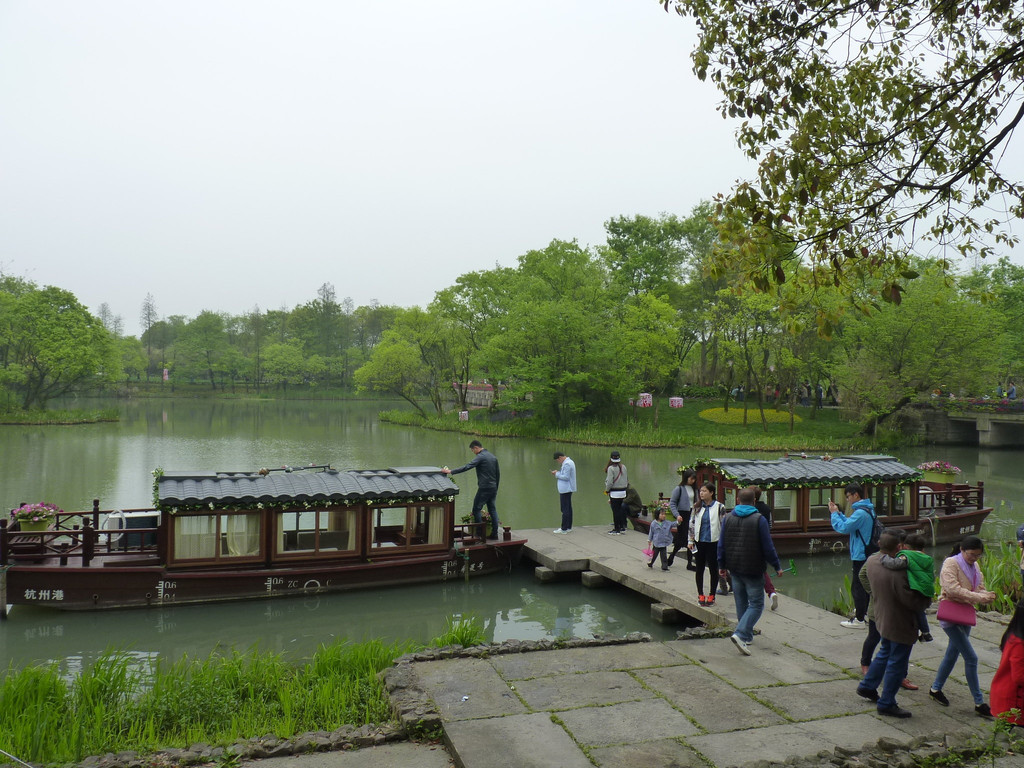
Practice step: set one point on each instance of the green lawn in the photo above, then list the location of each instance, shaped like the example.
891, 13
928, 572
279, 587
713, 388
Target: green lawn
820, 431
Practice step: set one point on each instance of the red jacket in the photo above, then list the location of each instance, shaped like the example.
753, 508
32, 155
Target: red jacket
1007, 690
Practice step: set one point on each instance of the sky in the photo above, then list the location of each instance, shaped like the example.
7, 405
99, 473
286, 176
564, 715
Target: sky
228, 154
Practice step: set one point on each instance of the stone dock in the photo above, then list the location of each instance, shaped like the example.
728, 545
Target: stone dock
694, 701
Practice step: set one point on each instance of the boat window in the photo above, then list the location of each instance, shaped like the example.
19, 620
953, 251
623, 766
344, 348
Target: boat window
317, 530
783, 504
217, 537
890, 501
819, 499
409, 526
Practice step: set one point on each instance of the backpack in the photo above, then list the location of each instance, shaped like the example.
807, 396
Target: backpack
877, 529
1020, 534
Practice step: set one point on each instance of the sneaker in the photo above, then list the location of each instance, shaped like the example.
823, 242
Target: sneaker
650, 564
939, 696
926, 637
691, 567
867, 693
774, 599
983, 710
701, 600
741, 645
854, 624
908, 685
894, 711
664, 567
612, 532
723, 590
559, 530
710, 600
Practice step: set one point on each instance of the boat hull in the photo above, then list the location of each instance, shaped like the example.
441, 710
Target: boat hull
105, 587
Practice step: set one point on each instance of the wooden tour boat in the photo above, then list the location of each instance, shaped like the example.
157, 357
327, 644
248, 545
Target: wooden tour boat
798, 491
218, 536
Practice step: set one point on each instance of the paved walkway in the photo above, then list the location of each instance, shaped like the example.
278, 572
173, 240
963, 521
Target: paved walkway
692, 702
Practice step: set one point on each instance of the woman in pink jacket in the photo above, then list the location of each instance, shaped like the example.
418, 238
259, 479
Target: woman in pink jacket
961, 582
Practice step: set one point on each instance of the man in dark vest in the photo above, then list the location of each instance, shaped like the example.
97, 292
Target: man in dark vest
896, 607
744, 550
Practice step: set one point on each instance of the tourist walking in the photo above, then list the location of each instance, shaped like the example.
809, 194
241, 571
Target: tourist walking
659, 537
745, 549
766, 512
859, 526
680, 503
962, 589
702, 540
615, 482
896, 606
565, 477
487, 478
873, 638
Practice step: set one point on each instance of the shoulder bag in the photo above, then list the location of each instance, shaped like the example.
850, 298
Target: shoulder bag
957, 613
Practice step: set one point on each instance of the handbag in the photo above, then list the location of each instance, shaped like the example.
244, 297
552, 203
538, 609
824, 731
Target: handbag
957, 613
648, 554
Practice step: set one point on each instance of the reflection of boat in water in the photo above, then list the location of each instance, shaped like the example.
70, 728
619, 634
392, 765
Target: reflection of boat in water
218, 536
799, 489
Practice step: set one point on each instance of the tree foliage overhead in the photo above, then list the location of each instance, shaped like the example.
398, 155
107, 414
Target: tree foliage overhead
875, 124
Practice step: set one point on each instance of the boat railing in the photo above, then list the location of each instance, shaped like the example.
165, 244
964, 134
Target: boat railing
74, 539
950, 498
476, 533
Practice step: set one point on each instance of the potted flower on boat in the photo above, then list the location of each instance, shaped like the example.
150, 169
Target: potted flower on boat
36, 517
938, 471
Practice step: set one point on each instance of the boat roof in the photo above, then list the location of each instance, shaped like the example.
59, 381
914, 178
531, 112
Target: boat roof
816, 470
302, 484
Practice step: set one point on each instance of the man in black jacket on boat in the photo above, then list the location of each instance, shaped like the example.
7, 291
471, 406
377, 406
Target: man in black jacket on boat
487, 477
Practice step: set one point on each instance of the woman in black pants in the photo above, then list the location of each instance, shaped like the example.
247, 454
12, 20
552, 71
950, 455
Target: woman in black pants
705, 526
681, 502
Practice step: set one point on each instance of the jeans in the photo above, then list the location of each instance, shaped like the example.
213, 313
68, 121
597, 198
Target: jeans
748, 591
565, 503
889, 668
860, 595
618, 514
485, 498
959, 645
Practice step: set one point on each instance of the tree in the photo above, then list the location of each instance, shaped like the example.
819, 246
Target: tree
874, 124
53, 346
201, 344
644, 254
930, 341
395, 367
147, 318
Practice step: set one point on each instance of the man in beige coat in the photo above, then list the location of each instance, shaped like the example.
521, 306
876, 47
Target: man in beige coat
896, 607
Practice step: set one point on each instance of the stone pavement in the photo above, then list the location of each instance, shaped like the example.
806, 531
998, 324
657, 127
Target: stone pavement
690, 702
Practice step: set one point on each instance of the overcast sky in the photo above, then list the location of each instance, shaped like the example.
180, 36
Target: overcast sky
223, 154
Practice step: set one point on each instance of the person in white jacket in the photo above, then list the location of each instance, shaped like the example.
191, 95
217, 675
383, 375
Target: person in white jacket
705, 528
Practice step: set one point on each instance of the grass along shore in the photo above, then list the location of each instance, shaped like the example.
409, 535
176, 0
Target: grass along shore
823, 430
115, 705
59, 416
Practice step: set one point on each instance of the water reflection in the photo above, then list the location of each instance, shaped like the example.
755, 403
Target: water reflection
509, 606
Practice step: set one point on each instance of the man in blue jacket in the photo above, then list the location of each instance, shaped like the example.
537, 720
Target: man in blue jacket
744, 547
858, 526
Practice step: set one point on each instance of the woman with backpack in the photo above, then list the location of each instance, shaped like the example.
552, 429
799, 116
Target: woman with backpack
615, 482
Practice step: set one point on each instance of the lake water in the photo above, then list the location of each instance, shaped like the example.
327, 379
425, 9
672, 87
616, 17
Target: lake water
113, 462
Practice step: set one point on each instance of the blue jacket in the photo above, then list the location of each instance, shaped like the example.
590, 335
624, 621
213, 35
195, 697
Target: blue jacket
857, 526
660, 534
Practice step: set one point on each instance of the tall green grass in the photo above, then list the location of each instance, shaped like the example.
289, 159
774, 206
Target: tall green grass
114, 705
